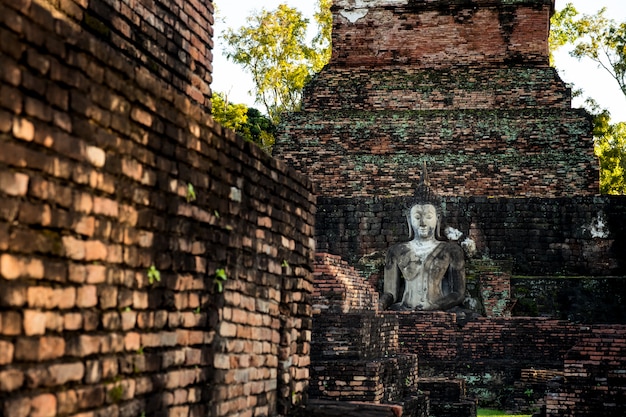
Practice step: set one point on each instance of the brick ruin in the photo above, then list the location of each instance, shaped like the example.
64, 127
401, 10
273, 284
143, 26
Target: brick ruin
466, 87
462, 85
120, 202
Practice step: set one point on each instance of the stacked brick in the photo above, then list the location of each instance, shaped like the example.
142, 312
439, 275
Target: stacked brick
581, 236
355, 358
530, 390
464, 86
121, 202
448, 397
583, 300
436, 33
398, 88
489, 352
494, 285
594, 377
339, 288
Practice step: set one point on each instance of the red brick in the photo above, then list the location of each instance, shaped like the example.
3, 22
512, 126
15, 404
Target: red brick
141, 116
65, 298
44, 405
66, 402
66, 372
37, 61
6, 121
96, 274
11, 379
9, 71
87, 296
85, 225
87, 345
6, 352
140, 300
41, 297
72, 9
95, 250
77, 273
13, 295
83, 202
34, 322
17, 407
107, 296
73, 321
37, 109
23, 129
10, 323
54, 322
132, 341
74, 248
13, 183
41, 349
95, 156
105, 206
40, 215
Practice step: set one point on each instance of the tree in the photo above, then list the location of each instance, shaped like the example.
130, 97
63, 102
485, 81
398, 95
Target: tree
259, 129
593, 36
610, 148
603, 41
247, 122
232, 116
323, 40
273, 48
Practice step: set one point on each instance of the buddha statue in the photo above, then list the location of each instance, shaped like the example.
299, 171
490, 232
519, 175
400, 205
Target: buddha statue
424, 273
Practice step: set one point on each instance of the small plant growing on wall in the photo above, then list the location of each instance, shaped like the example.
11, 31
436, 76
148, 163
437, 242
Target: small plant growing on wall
154, 275
191, 193
116, 392
219, 278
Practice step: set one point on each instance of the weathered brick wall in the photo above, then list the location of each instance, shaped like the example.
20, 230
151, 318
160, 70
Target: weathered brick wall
489, 353
355, 357
428, 33
464, 86
109, 165
513, 153
339, 288
583, 236
580, 299
594, 377
565, 256
410, 88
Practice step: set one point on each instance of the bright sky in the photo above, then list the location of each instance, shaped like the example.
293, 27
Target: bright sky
232, 80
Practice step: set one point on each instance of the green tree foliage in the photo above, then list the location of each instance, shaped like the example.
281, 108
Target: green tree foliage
610, 148
602, 40
323, 40
247, 122
232, 116
562, 30
273, 48
259, 129
593, 36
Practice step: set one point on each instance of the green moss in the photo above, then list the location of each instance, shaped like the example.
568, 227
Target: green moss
97, 25
116, 393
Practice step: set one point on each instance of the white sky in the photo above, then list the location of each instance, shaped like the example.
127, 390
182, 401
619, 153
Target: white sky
229, 78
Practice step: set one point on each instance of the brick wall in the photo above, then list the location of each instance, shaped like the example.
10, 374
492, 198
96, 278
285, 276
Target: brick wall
488, 353
428, 34
339, 288
464, 86
594, 377
111, 169
583, 236
409, 88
